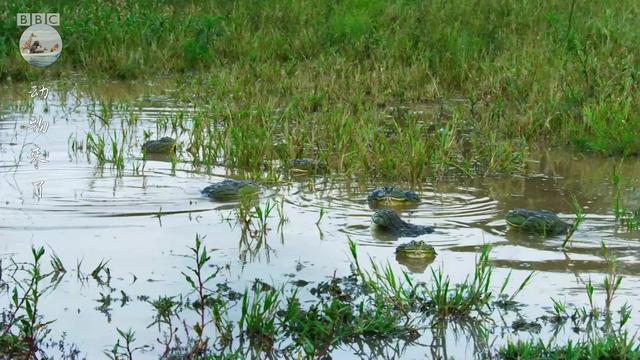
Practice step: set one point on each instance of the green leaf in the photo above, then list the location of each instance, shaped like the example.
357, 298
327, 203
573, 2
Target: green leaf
189, 280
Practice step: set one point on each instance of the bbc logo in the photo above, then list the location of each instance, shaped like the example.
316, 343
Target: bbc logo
28, 19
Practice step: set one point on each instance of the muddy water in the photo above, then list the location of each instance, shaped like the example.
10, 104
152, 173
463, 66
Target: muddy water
143, 222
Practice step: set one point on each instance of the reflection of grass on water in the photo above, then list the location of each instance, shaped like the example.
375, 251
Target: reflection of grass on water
374, 309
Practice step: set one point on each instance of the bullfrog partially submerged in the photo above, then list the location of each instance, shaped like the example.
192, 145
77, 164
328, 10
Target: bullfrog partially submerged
542, 222
392, 195
305, 166
415, 255
389, 221
164, 146
230, 189
416, 250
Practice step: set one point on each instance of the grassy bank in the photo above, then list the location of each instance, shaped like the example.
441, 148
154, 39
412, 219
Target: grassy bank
407, 88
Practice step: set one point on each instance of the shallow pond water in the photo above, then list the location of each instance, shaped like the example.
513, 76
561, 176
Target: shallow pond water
143, 222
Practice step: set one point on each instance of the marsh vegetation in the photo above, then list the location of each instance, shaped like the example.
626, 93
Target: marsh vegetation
476, 109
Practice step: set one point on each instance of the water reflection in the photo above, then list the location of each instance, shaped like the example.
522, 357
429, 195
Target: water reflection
416, 266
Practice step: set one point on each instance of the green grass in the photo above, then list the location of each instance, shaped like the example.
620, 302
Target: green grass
615, 346
471, 298
479, 85
580, 216
630, 219
326, 325
22, 326
258, 318
468, 300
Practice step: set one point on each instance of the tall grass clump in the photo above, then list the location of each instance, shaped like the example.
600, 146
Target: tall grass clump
440, 297
617, 346
473, 297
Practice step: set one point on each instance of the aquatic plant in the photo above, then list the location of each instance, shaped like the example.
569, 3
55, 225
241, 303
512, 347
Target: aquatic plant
125, 350
166, 310
329, 323
618, 210
615, 346
197, 279
460, 301
320, 216
613, 280
629, 218
101, 273
366, 306
262, 213
96, 147
58, 270
258, 317
580, 216
439, 297
22, 327
282, 217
